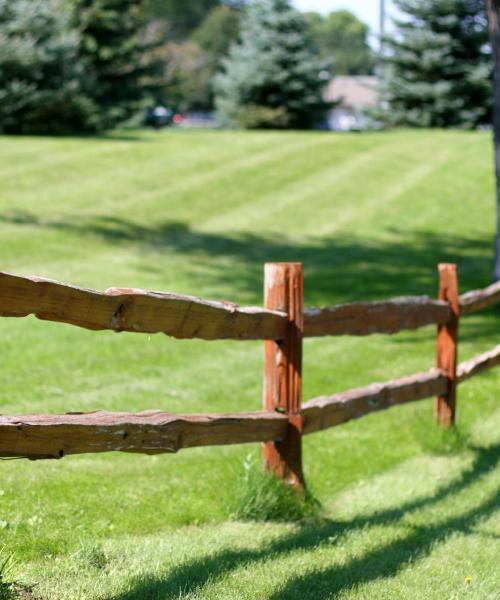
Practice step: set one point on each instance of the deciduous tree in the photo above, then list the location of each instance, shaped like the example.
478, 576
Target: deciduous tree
342, 40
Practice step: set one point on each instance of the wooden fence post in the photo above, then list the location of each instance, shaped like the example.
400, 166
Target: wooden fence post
447, 341
283, 370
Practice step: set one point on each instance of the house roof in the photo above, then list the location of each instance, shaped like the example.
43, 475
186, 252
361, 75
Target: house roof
353, 91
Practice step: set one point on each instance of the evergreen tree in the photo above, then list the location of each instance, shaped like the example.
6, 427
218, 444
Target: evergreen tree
272, 77
41, 72
120, 62
438, 65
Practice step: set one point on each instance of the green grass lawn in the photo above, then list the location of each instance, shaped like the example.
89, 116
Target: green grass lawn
369, 216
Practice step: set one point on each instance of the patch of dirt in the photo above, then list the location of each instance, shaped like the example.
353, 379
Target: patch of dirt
25, 593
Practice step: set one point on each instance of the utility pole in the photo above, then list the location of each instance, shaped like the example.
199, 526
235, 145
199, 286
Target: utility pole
380, 68
382, 27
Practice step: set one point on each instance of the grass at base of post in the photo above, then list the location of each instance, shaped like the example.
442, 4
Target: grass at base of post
442, 441
259, 496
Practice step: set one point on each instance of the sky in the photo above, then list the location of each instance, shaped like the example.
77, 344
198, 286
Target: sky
366, 10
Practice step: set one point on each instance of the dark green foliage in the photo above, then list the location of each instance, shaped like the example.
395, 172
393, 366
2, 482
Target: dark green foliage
42, 76
438, 65
218, 31
272, 77
71, 67
342, 40
120, 63
182, 16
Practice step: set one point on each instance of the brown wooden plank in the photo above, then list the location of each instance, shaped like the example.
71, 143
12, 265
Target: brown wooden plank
329, 411
365, 318
446, 344
150, 432
136, 310
475, 300
283, 370
478, 364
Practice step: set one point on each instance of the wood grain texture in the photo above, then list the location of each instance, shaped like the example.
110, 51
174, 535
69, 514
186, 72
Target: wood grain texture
283, 289
478, 364
329, 411
475, 300
365, 318
446, 344
128, 309
150, 432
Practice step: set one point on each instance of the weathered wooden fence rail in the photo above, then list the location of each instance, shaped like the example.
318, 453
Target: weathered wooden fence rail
282, 325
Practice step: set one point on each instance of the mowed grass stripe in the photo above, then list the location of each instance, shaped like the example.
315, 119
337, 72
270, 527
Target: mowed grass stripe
329, 196
170, 174
370, 216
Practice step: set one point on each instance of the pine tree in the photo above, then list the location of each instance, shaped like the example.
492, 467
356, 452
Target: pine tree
120, 63
271, 78
41, 72
438, 65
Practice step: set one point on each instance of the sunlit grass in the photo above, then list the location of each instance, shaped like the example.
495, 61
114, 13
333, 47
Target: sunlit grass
369, 216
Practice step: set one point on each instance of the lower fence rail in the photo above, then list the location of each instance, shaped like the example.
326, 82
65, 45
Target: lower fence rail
149, 432
478, 364
155, 432
329, 411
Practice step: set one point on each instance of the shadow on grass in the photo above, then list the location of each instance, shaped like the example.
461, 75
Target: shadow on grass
338, 268
384, 561
111, 136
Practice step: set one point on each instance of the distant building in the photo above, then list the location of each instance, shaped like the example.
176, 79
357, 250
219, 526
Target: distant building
353, 95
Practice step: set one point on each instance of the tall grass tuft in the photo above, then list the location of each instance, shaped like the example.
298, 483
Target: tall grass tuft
435, 439
7, 586
260, 496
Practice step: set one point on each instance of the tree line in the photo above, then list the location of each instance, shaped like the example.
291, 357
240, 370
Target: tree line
90, 65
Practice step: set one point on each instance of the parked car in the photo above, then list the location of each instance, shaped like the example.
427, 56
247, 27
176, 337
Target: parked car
158, 117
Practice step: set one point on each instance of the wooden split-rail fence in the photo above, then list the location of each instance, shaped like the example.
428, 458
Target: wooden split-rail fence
282, 324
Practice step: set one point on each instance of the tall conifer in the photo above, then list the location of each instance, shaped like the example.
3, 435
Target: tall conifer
272, 76
438, 65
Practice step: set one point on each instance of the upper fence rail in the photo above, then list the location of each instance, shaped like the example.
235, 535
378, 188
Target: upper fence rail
140, 311
134, 310
285, 419
478, 299
385, 316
